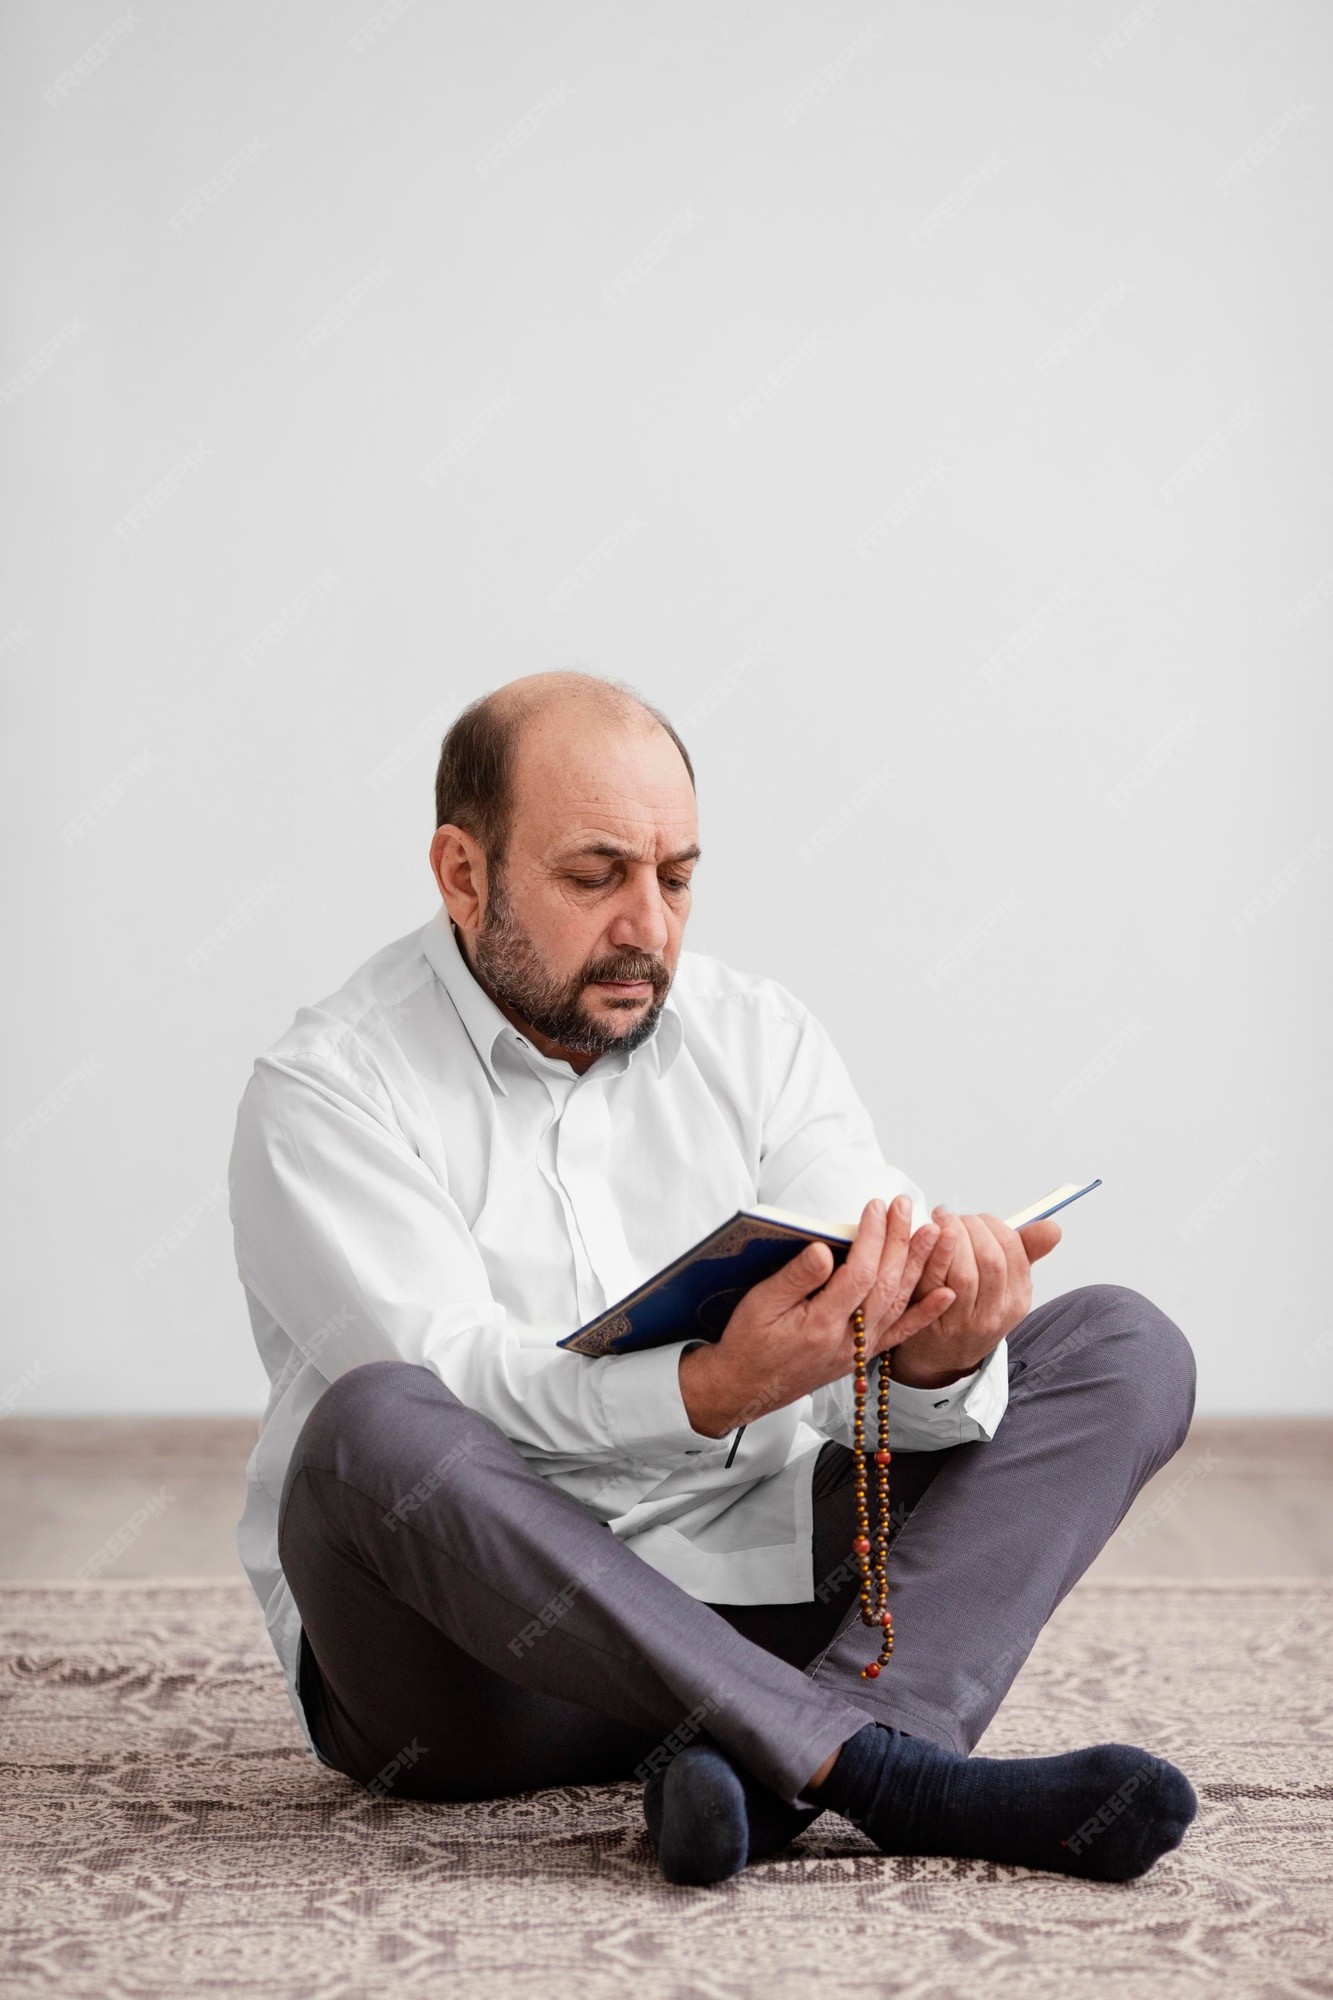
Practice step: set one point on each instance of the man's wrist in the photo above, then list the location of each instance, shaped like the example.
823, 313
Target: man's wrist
918, 1373
704, 1394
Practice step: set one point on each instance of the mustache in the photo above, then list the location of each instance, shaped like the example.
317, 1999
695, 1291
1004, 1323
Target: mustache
629, 965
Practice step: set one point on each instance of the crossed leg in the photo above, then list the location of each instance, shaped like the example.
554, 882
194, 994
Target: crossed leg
513, 1642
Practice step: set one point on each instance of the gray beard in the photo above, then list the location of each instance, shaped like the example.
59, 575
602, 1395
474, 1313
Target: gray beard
509, 964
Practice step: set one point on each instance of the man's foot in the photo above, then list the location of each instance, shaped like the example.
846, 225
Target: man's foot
1106, 1813
707, 1819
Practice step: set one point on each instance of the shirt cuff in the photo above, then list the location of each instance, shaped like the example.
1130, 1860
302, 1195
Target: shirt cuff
642, 1406
965, 1412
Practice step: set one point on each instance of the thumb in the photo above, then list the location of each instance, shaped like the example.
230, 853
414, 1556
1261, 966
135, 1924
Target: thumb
804, 1274
1040, 1238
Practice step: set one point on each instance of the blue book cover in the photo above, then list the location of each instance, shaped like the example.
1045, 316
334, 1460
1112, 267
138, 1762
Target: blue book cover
694, 1297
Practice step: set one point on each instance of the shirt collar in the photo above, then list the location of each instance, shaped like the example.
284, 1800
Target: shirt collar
486, 1025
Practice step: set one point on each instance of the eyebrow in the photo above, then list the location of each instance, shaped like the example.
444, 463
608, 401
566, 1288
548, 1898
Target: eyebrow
614, 850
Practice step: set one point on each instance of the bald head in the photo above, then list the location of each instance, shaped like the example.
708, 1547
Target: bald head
477, 781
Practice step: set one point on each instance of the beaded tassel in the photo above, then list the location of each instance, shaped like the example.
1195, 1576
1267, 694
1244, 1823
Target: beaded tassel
874, 1574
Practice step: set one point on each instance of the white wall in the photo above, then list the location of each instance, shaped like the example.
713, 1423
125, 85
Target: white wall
1027, 304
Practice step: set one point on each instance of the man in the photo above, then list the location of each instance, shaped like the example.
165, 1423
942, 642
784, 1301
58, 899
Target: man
488, 1564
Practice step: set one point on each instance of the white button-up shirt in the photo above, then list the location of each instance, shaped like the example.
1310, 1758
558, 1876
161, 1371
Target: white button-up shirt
411, 1178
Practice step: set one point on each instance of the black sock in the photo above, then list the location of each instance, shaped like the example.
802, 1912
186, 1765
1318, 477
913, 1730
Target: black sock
708, 1817
1107, 1813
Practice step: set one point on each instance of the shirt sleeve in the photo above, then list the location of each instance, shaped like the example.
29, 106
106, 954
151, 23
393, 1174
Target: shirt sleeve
350, 1242
966, 1412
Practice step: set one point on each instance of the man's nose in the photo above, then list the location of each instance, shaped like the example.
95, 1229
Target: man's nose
640, 921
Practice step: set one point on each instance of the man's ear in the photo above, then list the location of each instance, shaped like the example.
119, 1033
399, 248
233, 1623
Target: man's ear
459, 866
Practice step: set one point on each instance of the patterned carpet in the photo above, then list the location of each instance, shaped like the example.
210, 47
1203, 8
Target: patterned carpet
163, 1833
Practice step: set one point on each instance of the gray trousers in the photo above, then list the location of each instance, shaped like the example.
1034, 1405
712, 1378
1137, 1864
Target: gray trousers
488, 1635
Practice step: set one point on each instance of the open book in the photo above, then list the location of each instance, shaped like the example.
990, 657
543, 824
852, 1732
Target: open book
693, 1298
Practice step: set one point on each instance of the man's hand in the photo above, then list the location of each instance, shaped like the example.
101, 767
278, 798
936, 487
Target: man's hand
988, 1268
793, 1332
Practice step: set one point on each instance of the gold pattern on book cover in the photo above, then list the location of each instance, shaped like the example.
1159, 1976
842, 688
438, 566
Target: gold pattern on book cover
747, 1229
600, 1340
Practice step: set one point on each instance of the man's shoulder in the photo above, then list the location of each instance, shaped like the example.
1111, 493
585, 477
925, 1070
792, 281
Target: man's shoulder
706, 989
358, 1014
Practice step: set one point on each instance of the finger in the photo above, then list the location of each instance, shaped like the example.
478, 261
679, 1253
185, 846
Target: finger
900, 1268
900, 1248
796, 1280
917, 1317
1017, 1270
961, 1276
1039, 1238
992, 1275
849, 1285
936, 1268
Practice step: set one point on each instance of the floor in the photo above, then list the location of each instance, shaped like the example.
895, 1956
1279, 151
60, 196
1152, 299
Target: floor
165, 1831
160, 1496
